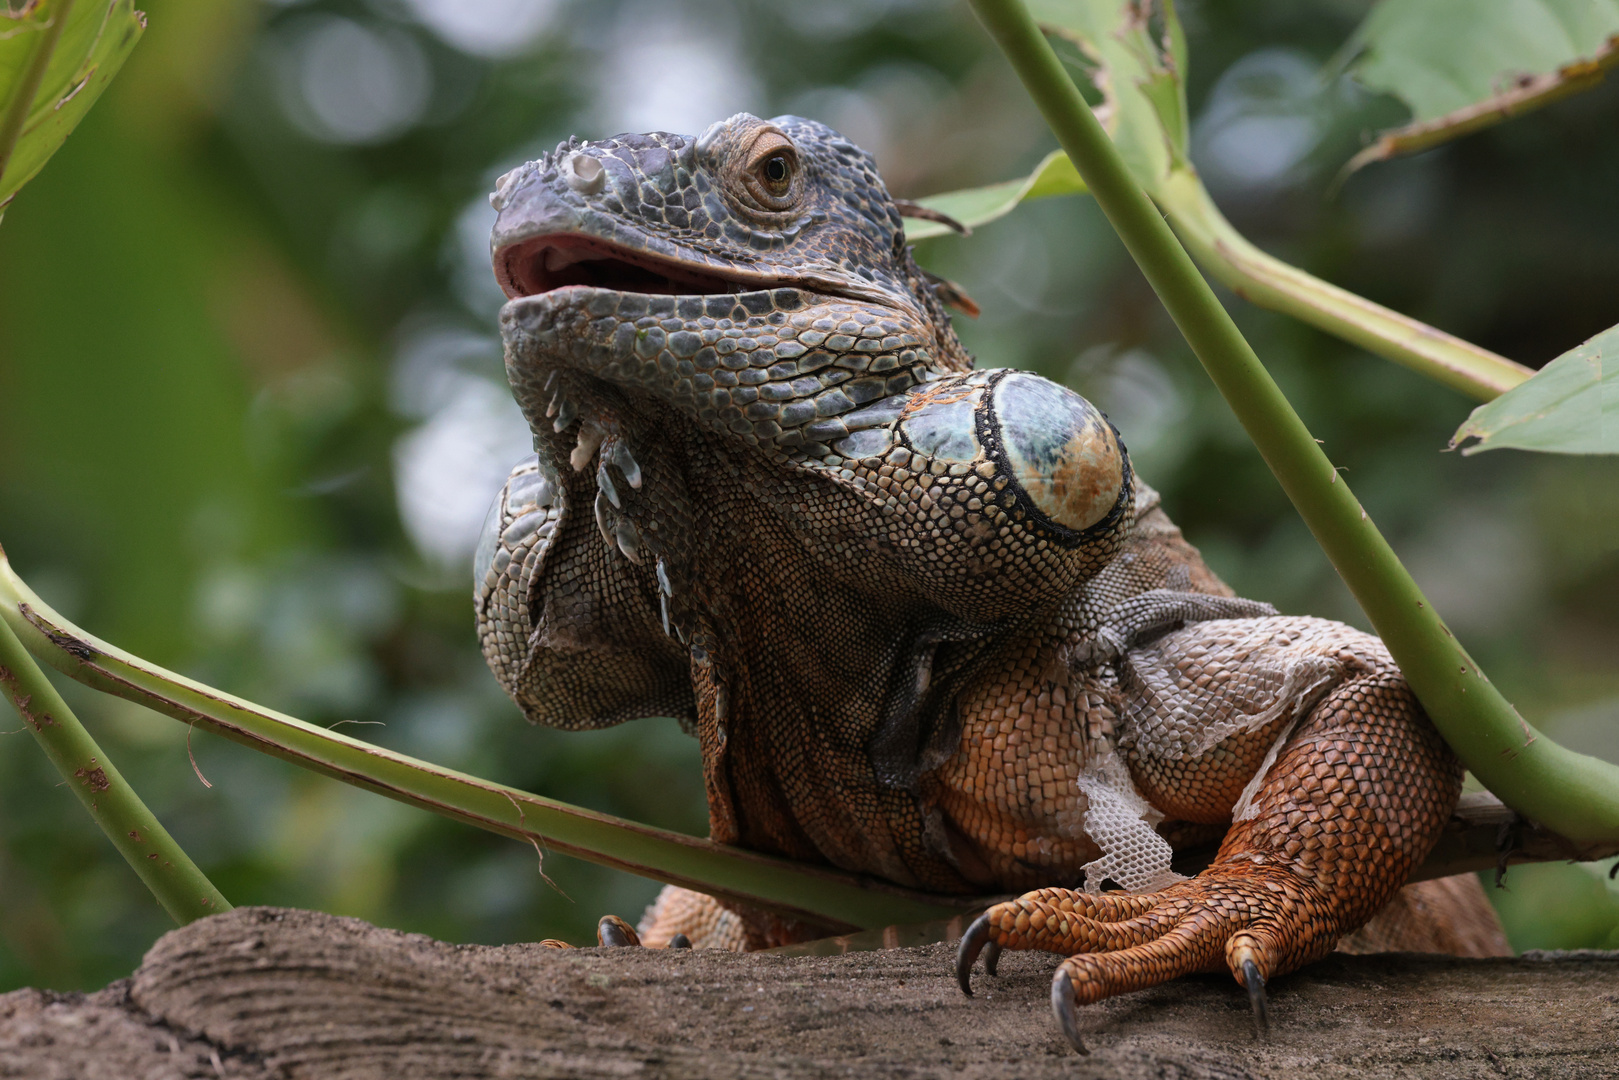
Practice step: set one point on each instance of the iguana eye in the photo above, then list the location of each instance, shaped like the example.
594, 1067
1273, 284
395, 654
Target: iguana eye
773, 166
777, 172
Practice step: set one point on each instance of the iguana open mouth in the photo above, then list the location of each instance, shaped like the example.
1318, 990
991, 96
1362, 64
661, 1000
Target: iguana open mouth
541, 264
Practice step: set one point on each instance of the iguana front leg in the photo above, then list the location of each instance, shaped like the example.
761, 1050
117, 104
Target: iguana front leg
1322, 837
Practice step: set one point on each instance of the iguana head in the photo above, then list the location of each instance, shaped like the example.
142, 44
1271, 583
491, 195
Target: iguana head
751, 206
695, 324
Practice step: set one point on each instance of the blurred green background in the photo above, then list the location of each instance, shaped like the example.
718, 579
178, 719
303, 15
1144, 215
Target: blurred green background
251, 409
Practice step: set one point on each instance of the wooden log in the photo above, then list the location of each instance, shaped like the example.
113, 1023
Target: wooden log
263, 993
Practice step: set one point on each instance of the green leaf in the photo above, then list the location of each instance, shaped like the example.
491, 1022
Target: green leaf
1134, 54
55, 60
1442, 55
973, 207
1138, 65
1461, 65
1137, 68
1571, 406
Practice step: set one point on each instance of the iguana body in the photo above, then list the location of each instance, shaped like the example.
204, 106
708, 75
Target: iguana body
924, 620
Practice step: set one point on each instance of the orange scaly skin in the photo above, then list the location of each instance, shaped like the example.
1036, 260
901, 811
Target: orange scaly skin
1346, 813
925, 621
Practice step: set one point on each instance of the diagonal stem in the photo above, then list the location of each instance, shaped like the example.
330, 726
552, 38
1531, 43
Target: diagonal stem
1261, 278
817, 894
183, 890
1572, 794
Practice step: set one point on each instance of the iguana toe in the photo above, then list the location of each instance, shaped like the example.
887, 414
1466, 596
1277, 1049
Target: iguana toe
612, 930
1255, 982
1062, 1006
972, 943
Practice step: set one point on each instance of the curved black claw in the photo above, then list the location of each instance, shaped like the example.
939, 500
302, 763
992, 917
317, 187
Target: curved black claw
1255, 982
972, 943
680, 941
992, 957
613, 930
1062, 1004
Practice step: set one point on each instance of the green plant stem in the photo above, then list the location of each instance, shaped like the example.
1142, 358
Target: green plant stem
1271, 283
1253, 274
797, 890
1571, 794
183, 890
794, 889
22, 100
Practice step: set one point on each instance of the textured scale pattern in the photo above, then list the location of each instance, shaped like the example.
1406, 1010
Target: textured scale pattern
705, 923
925, 621
1346, 816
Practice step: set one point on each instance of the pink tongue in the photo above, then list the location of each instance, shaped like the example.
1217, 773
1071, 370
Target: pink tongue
556, 258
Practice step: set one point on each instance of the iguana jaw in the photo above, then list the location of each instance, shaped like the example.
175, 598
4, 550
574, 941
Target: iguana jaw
540, 264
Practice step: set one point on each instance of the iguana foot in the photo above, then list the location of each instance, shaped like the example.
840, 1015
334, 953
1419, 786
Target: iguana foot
1258, 921
1356, 795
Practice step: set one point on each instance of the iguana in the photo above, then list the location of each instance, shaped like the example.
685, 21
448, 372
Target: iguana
926, 621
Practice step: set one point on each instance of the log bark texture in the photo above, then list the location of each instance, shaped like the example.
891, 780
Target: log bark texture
276, 994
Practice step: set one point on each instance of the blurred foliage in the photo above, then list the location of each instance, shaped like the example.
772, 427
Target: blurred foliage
1445, 55
1571, 406
1461, 66
251, 409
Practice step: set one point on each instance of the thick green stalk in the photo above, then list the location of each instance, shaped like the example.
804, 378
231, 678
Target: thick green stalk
183, 890
22, 97
1265, 280
816, 893
1571, 794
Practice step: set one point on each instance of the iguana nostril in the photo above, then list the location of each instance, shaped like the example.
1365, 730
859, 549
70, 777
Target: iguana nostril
497, 197
584, 174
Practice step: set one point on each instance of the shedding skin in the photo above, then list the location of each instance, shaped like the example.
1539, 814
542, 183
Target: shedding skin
925, 621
